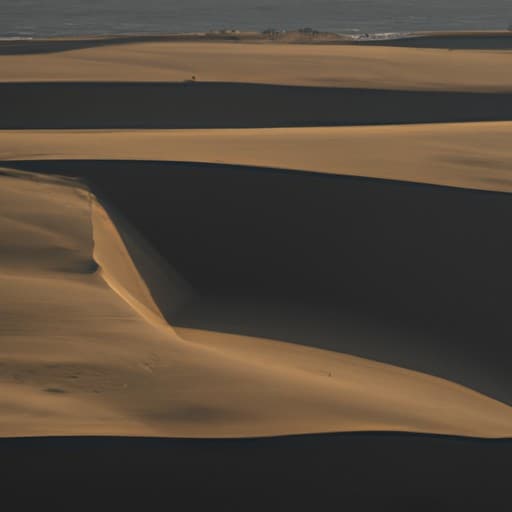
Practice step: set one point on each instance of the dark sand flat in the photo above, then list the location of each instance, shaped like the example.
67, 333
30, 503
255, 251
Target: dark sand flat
462, 155
344, 66
499, 40
242, 274
159, 105
361, 471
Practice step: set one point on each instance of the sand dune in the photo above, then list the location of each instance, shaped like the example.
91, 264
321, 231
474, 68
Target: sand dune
230, 258
287, 64
149, 85
468, 155
94, 356
345, 264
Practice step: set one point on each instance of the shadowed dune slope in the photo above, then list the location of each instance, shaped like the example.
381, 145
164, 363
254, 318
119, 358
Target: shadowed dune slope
306, 472
86, 350
231, 105
409, 274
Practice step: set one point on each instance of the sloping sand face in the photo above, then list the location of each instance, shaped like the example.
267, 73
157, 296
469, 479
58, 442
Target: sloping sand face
407, 274
107, 105
464, 155
187, 265
311, 65
142, 294
85, 349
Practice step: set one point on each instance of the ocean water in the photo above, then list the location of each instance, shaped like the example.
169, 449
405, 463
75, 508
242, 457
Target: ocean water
43, 18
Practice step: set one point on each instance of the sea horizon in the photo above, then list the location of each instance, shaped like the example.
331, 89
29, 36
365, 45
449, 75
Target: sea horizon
25, 19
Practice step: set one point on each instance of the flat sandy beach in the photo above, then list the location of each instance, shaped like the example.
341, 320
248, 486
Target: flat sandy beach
224, 243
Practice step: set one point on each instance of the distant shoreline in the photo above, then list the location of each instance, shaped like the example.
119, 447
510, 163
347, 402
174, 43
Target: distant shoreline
449, 40
306, 34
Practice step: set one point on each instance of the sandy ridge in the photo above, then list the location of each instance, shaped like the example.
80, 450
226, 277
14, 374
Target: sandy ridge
309, 65
87, 344
467, 155
226, 390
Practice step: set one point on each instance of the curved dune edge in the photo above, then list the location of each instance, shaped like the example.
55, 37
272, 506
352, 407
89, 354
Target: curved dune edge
154, 105
261, 352
267, 353
95, 357
466, 155
122, 274
289, 64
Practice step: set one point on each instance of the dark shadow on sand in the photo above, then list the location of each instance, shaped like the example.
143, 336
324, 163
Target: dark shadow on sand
409, 274
233, 105
453, 41
312, 472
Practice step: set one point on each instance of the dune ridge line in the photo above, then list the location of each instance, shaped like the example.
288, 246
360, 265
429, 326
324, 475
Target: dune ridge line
232, 386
